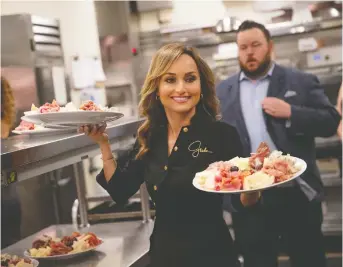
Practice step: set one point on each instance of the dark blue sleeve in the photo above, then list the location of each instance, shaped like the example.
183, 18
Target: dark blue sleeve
317, 117
221, 92
127, 178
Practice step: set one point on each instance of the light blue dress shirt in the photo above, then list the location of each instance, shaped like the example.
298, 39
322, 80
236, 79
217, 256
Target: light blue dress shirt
252, 93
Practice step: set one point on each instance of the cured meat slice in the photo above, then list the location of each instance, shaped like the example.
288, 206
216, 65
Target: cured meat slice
50, 107
256, 160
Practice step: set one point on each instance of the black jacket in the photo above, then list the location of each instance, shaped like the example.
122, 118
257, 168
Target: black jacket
312, 116
189, 227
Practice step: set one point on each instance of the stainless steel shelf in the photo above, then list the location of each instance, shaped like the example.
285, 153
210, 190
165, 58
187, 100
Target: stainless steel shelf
24, 157
331, 180
30, 157
332, 229
324, 142
118, 215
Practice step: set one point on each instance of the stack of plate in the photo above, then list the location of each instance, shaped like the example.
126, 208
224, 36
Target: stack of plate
72, 119
66, 121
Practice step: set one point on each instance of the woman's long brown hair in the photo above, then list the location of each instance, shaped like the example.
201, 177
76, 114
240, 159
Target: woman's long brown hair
7, 103
151, 108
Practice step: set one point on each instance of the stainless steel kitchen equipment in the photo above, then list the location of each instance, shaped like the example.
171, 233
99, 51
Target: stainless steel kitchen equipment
116, 29
32, 60
33, 63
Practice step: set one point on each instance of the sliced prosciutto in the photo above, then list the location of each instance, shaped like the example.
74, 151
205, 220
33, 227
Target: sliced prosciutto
90, 106
50, 107
257, 159
24, 126
220, 165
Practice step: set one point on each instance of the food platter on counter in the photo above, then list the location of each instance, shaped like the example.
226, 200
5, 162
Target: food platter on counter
51, 114
8, 260
48, 248
62, 256
263, 170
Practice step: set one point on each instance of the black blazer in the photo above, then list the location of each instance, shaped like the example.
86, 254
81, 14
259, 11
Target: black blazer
312, 115
189, 226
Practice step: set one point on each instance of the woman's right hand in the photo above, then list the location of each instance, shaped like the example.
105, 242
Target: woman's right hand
98, 135
95, 132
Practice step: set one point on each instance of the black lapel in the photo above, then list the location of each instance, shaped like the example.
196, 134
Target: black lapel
277, 85
237, 108
277, 88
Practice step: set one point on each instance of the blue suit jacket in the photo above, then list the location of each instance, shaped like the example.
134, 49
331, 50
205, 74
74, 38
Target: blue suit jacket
312, 115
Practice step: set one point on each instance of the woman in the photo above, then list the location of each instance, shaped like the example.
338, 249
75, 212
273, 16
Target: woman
179, 138
7, 108
10, 204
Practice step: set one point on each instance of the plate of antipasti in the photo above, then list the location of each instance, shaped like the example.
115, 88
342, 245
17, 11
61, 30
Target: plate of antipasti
8, 260
52, 115
31, 129
262, 170
53, 248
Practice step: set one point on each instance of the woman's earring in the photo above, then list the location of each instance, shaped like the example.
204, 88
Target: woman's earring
157, 97
201, 96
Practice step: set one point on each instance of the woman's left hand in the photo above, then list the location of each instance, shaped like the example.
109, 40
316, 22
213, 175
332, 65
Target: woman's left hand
249, 199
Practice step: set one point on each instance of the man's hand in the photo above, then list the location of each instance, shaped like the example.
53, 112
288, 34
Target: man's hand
276, 107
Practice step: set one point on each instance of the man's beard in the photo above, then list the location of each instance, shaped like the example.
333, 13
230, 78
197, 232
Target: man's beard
261, 69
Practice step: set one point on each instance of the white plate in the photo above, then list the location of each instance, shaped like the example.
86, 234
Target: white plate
34, 262
72, 118
64, 256
296, 175
44, 131
31, 112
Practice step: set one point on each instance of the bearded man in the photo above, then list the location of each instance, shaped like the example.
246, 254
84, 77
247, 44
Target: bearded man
287, 109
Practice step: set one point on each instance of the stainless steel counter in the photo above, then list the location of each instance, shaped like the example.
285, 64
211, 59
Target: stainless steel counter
125, 243
23, 153
24, 157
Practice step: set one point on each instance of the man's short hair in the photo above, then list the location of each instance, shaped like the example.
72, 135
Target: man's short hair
250, 24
